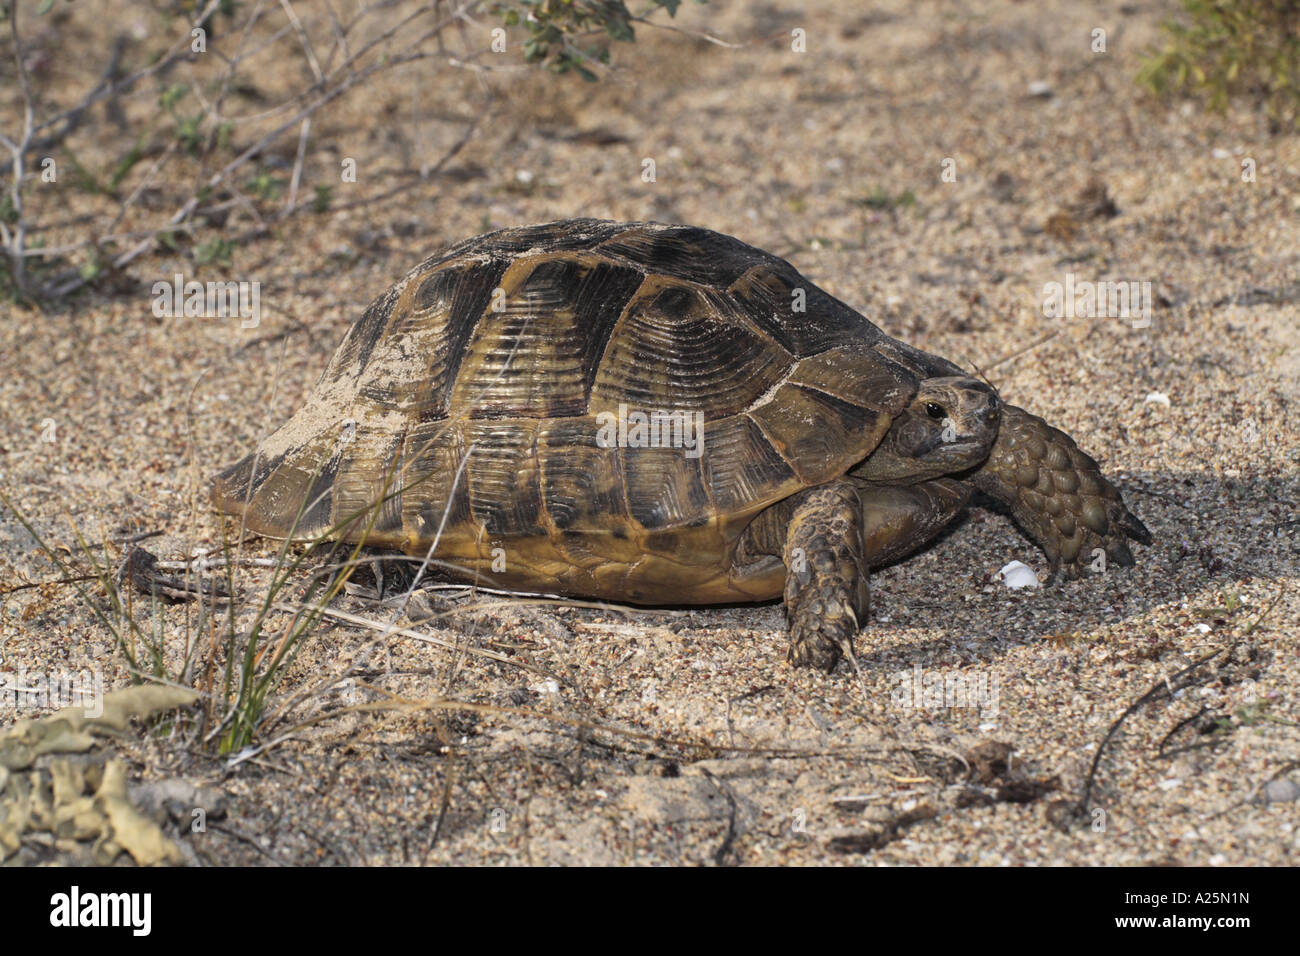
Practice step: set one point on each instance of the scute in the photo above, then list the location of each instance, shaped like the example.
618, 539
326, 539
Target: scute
582, 483
677, 346
742, 465
683, 252
810, 430
664, 488
503, 478
420, 356
536, 350
780, 302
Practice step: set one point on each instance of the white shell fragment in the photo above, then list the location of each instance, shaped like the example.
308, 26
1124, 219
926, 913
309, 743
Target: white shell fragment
1016, 576
1157, 398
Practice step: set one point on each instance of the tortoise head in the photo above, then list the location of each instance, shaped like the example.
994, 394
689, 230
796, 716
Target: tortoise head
949, 427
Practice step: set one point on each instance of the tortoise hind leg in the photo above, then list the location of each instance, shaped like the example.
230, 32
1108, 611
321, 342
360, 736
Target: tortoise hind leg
826, 594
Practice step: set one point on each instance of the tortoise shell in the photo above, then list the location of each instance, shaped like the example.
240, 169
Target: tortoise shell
466, 407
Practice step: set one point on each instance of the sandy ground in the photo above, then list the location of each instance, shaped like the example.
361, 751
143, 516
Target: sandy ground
617, 736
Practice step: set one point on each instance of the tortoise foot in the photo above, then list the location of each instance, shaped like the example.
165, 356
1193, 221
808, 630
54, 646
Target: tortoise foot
822, 627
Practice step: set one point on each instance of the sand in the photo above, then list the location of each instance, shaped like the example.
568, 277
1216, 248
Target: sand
618, 736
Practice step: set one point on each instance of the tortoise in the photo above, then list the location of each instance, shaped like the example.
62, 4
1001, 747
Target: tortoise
662, 415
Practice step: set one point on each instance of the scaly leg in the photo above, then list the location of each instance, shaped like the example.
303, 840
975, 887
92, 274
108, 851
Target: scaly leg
836, 533
826, 596
1058, 495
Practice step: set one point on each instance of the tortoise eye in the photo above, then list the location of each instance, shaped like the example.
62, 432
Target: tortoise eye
935, 411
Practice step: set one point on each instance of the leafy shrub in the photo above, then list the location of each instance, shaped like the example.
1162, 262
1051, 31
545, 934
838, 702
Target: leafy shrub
1229, 48
557, 27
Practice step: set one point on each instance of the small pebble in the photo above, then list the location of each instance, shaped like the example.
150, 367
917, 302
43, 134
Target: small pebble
1280, 791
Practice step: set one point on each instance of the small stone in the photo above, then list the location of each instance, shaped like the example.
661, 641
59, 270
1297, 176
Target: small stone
1280, 791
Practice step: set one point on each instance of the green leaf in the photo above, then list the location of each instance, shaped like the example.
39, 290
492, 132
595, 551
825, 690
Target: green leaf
324, 195
213, 250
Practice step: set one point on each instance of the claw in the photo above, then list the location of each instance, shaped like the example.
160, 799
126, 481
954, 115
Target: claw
814, 651
1134, 528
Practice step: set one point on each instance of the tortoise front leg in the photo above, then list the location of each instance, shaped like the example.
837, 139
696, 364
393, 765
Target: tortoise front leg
836, 533
826, 595
1058, 495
